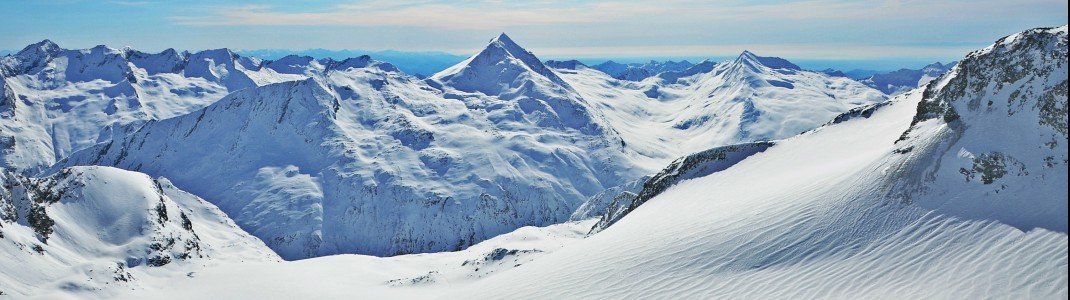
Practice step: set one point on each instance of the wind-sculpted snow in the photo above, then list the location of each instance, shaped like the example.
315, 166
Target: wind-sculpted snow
97, 230
867, 207
367, 160
804, 219
692, 166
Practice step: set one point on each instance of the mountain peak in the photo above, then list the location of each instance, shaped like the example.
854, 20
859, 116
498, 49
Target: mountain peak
362, 61
504, 38
749, 58
45, 46
496, 69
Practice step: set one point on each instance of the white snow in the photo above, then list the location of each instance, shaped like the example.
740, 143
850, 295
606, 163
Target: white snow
61, 99
413, 276
109, 224
715, 104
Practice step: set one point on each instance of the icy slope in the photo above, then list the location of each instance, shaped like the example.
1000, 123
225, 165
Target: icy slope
822, 215
367, 160
96, 230
59, 100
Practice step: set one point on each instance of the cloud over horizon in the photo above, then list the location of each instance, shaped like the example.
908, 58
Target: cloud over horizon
814, 29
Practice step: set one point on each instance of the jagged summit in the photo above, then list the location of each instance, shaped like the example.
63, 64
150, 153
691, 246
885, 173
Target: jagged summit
1002, 111
501, 67
44, 46
362, 61
71, 94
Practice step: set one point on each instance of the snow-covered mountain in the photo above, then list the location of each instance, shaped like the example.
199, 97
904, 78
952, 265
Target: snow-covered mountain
418, 64
903, 80
372, 161
57, 101
997, 135
364, 159
750, 98
100, 230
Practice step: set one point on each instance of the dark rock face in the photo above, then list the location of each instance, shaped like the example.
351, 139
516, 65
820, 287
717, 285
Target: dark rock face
1000, 125
692, 166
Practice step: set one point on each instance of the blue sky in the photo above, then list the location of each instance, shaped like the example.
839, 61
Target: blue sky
802, 30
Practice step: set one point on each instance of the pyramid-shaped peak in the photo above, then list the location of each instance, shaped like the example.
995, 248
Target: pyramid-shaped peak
504, 38
749, 58
504, 42
496, 68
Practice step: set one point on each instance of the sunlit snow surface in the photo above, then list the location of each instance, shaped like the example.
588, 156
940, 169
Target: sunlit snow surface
905, 200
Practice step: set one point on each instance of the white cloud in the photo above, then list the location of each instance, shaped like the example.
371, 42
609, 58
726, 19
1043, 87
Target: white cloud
806, 28
427, 15
810, 51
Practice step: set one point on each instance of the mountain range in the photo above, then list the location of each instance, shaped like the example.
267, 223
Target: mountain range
130, 174
419, 64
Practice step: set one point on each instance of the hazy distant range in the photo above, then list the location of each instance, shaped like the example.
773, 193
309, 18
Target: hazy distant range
425, 63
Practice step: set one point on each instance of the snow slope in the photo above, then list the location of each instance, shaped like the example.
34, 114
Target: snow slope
94, 231
823, 214
367, 160
412, 276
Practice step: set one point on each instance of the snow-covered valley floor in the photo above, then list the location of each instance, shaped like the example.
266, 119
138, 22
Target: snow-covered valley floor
414, 276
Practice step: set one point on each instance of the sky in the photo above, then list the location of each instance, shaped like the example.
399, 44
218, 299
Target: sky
808, 31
